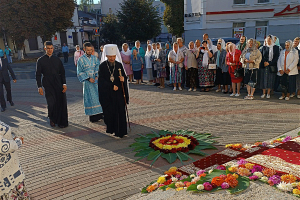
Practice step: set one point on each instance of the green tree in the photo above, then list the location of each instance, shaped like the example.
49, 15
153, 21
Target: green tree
24, 19
85, 3
174, 16
110, 30
139, 20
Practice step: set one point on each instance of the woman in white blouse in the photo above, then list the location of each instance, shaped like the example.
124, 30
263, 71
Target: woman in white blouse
287, 70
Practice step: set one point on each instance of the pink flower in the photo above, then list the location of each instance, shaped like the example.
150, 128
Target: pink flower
183, 177
256, 168
242, 162
275, 179
288, 138
221, 167
225, 185
207, 186
253, 177
223, 176
160, 185
177, 176
200, 172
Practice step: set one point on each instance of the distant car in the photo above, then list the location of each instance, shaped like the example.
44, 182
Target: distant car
233, 40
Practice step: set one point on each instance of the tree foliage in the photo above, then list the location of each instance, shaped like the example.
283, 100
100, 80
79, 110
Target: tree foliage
85, 3
24, 19
174, 16
110, 30
139, 20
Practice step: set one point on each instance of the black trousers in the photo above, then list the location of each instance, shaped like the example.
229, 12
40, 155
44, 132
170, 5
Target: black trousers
8, 93
95, 118
66, 57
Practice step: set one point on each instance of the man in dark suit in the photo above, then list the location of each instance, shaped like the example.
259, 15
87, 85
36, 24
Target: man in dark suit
5, 80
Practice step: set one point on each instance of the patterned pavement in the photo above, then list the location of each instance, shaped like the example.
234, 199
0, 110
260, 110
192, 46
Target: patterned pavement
82, 162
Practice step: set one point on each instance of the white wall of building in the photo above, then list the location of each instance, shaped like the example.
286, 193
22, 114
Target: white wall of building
221, 24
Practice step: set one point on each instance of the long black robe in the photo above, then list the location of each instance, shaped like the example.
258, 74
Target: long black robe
112, 102
53, 73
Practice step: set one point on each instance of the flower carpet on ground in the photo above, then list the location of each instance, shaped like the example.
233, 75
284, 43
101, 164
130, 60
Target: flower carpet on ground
172, 145
276, 163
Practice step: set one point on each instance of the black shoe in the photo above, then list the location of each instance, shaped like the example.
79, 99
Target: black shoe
12, 103
156, 84
225, 92
2, 109
61, 126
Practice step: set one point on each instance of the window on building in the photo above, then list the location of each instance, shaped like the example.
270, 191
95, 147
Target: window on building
263, 1
238, 29
157, 9
261, 30
162, 9
239, 1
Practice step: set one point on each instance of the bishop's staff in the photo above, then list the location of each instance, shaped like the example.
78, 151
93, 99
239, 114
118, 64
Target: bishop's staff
125, 100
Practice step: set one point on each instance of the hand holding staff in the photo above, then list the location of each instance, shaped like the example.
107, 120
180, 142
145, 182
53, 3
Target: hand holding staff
122, 82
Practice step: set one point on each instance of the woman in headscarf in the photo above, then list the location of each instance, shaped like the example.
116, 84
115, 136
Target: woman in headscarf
287, 70
161, 65
206, 76
222, 75
268, 66
126, 55
148, 63
191, 66
167, 51
250, 59
136, 63
176, 59
233, 61
154, 66
242, 44
77, 54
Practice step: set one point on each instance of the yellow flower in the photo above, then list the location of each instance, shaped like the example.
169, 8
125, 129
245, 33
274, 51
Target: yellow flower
168, 188
178, 189
186, 142
161, 180
296, 191
249, 165
235, 175
173, 169
232, 169
295, 184
228, 145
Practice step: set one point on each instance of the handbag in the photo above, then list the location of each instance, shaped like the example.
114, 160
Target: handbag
252, 83
212, 66
273, 69
238, 72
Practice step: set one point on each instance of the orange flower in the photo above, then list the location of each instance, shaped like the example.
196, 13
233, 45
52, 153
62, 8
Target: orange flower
231, 180
217, 181
202, 175
288, 178
244, 172
150, 188
298, 187
258, 143
232, 169
237, 146
243, 149
269, 172
188, 184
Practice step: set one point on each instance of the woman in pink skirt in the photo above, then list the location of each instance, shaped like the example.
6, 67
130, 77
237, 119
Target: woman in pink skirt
126, 54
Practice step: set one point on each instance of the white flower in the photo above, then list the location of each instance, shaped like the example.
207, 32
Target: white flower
247, 146
237, 166
192, 176
210, 171
264, 178
287, 187
196, 179
174, 179
200, 187
258, 174
165, 175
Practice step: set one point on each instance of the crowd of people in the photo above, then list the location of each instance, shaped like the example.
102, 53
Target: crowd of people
227, 66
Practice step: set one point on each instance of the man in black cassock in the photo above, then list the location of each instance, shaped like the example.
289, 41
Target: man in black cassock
111, 94
54, 83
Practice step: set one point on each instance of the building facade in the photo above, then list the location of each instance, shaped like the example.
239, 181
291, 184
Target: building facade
233, 18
